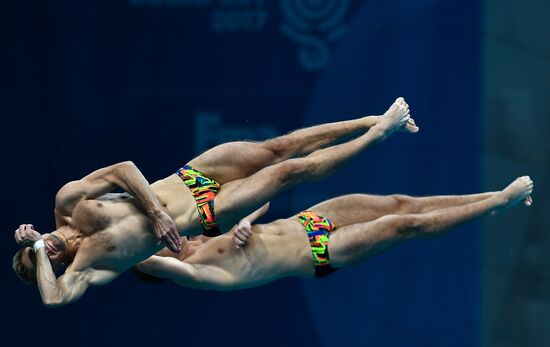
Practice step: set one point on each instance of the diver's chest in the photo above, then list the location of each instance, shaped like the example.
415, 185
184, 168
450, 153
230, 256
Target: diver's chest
105, 249
95, 250
93, 216
216, 251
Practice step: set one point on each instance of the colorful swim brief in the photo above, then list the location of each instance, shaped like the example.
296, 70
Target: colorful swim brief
318, 229
204, 191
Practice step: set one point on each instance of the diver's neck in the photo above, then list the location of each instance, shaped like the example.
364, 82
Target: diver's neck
72, 239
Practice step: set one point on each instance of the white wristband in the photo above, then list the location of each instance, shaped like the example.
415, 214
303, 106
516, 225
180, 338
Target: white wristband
38, 244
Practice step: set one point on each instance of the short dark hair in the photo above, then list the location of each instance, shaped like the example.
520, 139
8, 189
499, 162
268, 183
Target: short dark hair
21, 270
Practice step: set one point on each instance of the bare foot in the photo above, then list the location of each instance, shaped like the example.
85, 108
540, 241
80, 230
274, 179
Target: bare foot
398, 118
519, 190
411, 126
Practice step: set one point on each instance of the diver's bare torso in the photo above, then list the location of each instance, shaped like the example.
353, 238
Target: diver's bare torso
275, 250
176, 199
116, 234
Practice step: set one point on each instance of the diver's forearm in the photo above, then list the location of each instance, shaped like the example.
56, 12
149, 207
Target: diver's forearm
130, 179
45, 278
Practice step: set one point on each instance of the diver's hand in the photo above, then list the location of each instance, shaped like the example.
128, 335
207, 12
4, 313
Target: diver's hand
242, 233
165, 230
26, 236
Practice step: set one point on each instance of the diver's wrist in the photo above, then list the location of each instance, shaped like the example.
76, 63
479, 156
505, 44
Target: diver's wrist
38, 244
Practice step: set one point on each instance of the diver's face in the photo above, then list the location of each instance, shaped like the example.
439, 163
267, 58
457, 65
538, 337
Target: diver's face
55, 249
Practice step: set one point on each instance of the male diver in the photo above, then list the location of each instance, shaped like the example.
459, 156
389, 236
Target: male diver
99, 235
330, 235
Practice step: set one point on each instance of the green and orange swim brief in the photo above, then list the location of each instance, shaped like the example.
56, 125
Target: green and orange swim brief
204, 191
318, 229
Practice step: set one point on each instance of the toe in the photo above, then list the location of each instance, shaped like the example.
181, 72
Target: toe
412, 129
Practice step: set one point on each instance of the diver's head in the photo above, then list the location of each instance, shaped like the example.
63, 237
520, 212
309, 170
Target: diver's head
24, 261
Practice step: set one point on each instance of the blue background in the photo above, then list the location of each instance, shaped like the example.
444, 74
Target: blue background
86, 84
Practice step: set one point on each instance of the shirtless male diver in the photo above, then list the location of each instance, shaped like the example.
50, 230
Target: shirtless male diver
359, 227
100, 235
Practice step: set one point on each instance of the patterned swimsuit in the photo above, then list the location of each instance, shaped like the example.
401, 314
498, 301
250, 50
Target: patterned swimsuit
204, 191
318, 229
